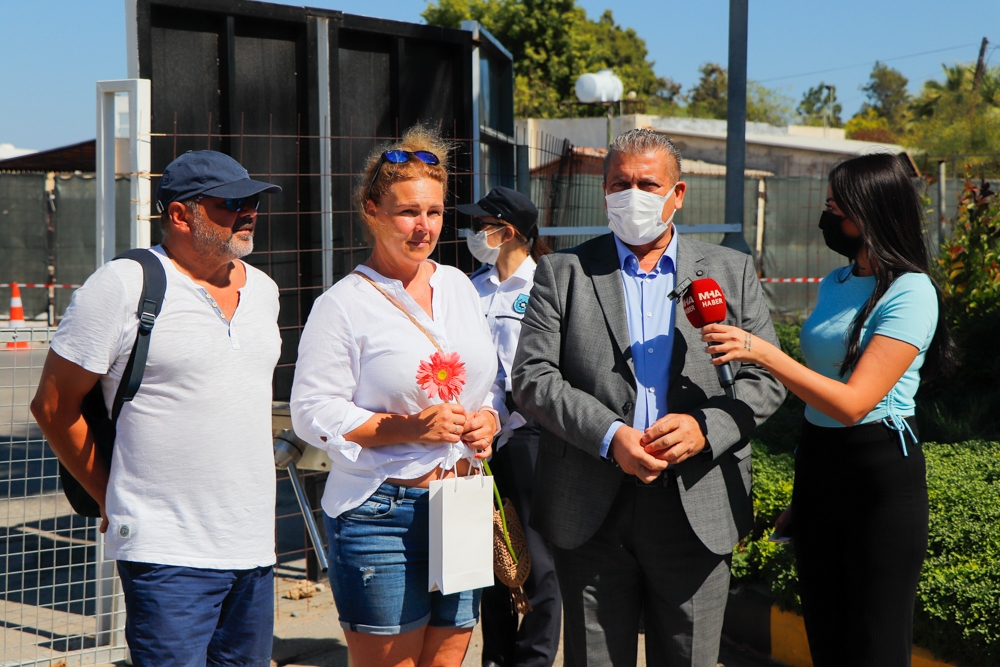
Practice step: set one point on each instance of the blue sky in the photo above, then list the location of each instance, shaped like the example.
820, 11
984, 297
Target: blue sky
52, 51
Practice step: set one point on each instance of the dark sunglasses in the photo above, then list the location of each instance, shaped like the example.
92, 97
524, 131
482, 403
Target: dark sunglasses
399, 157
237, 204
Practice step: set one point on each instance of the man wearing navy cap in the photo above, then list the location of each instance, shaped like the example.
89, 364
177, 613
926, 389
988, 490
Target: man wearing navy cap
188, 497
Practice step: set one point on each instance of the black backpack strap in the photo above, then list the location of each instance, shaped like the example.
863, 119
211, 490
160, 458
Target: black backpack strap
154, 286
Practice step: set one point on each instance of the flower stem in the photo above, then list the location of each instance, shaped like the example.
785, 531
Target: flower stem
503, 517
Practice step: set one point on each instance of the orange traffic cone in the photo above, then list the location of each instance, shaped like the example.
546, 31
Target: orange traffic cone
17, 318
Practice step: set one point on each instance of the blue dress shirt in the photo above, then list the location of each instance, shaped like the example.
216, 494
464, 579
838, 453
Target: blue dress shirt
650, 314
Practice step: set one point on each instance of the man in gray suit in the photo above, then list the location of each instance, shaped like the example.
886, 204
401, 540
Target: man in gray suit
643, 474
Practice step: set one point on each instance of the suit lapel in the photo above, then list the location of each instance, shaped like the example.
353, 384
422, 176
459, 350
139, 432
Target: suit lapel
688, 267
606, 275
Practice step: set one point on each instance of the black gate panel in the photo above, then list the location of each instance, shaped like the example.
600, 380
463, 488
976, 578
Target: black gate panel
244, 78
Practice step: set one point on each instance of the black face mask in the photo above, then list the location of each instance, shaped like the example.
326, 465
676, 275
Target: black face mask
836, 239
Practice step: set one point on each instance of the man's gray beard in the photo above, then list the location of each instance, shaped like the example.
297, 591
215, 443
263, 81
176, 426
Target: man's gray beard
210, 244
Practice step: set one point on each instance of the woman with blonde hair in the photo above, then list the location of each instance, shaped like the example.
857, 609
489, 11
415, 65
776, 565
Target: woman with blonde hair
356, 395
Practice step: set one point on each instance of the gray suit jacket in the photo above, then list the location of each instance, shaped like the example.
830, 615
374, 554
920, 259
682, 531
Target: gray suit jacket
574, 374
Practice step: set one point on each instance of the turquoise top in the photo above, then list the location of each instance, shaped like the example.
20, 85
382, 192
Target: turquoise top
908, 311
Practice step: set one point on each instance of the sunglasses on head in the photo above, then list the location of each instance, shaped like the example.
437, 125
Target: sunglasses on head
399, 156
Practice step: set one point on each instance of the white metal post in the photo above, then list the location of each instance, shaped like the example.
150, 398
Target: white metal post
761, 208
942, 200
325, 149
139, 111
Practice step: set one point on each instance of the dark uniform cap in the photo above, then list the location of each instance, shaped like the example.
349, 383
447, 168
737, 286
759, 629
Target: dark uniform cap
507, 205
210, 174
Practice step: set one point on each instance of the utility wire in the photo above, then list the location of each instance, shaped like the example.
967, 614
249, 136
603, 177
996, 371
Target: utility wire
868, 62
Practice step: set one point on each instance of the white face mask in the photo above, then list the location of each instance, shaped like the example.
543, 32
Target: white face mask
480, 248
635, 216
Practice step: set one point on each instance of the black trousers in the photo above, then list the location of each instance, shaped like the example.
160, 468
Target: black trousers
859, 529
533, 642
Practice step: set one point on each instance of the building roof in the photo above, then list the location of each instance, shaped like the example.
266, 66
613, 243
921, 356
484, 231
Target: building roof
796, 141
591, 161
75, 157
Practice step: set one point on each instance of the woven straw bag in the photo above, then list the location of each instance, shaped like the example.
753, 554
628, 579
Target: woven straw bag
510, 573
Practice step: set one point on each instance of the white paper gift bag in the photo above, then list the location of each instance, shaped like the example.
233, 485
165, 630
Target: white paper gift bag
461, 534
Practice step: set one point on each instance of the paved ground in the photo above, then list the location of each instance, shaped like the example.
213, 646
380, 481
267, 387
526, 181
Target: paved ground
306, 630
306, 633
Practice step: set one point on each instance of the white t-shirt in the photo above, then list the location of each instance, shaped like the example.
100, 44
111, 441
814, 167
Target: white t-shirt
192, 477
359, 356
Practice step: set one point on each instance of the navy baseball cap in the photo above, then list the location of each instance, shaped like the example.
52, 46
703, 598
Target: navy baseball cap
209, 174
507, 205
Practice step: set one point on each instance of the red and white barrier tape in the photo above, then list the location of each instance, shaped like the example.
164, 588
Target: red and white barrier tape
791, 280
57, 286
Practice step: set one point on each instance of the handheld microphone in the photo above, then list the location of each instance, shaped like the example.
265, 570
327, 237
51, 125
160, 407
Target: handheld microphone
704, 303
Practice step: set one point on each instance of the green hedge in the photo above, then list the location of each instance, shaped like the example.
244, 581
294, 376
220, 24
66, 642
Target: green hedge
958, 602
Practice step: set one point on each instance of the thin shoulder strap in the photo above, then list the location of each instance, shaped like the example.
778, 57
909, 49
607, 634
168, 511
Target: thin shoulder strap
394, 301
154, 286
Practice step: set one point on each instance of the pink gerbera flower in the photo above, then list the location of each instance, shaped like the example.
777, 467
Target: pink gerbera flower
443, 375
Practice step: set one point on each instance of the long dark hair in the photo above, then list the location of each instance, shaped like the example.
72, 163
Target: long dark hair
876, 192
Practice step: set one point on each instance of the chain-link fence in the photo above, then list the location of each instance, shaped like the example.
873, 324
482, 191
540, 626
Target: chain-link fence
61, 600
781, 210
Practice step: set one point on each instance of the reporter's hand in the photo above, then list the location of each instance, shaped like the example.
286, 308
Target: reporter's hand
104, 521
628, 452
480, 427
438, 424
734, 344
674, 438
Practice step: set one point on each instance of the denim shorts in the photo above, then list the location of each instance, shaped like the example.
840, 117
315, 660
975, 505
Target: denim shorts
379, 569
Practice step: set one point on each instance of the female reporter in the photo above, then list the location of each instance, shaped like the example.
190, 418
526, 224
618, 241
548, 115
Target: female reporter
859, 506
356, 395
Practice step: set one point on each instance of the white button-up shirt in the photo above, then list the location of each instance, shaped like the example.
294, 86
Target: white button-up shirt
504, 304
359, 356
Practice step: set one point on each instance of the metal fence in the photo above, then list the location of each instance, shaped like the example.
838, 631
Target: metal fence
781, 211
62, 601
780, 217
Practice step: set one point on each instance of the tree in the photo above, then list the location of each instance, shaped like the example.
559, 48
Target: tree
867, 125
955, 117
815, 108
708, 99
767, 105
886, 91
553, 43
667, 98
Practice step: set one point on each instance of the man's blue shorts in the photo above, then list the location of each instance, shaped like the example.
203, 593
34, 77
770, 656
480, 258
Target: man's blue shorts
192, 617
379, 567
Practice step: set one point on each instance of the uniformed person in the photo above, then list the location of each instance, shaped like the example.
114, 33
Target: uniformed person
505, 239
